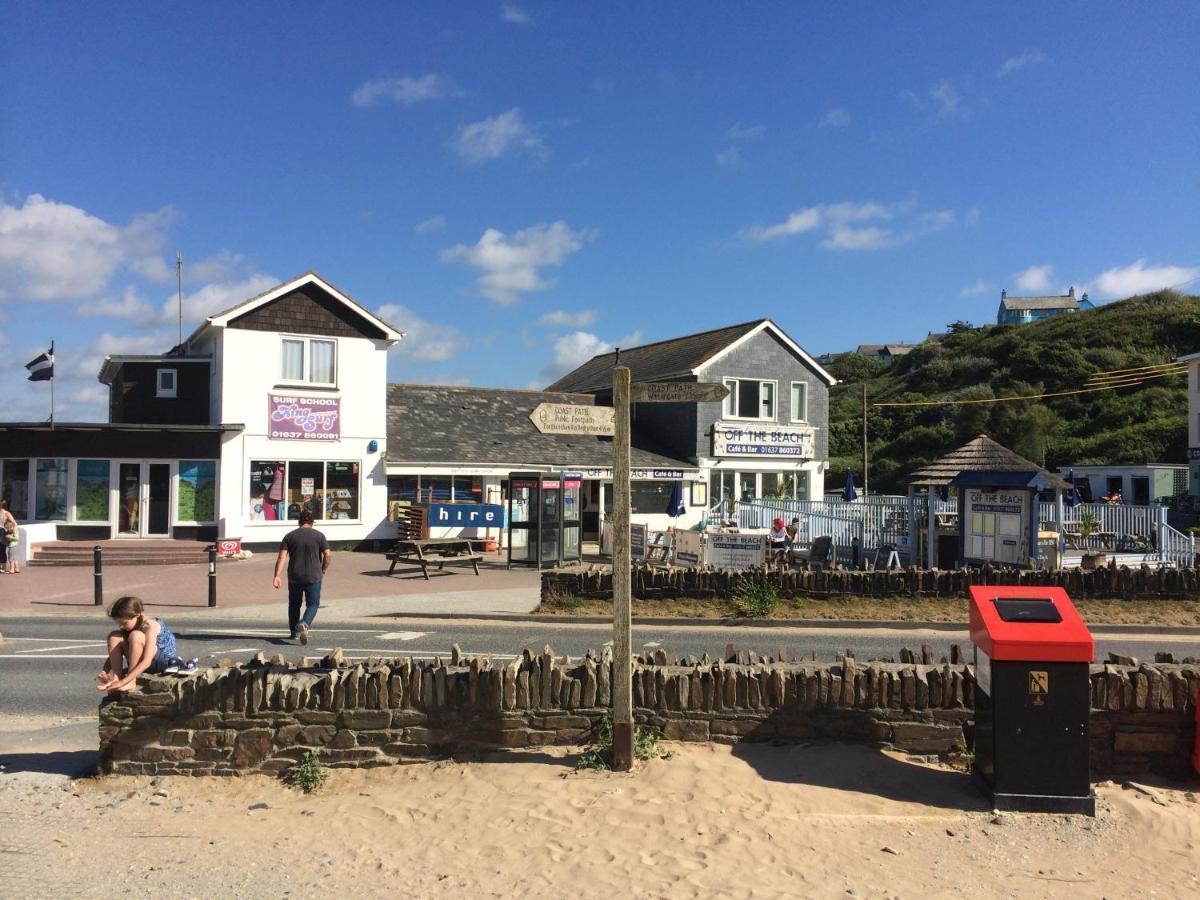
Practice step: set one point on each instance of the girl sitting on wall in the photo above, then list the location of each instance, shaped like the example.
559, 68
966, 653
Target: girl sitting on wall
139, 644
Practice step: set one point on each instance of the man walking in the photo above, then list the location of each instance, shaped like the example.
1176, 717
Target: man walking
306, 554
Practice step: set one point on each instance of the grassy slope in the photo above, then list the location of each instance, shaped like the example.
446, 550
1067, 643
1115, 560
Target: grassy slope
1144, 423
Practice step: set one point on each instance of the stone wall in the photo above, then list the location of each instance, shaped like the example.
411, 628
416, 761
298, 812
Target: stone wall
260, 717
1110, 582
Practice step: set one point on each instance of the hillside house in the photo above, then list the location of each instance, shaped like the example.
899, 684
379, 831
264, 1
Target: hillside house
1023, 310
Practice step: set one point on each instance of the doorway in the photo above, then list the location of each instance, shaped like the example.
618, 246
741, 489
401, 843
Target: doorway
143, 499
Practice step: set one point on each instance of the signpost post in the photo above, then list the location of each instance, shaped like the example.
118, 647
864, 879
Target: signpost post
623, 393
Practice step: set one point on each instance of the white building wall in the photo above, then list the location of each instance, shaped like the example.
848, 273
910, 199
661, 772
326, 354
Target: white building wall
248, 363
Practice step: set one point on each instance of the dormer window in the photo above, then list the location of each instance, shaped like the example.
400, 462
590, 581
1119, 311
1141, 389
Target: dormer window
167, 383
308, 361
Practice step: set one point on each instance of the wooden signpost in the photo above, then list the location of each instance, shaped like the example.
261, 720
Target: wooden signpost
623, 393
572, 418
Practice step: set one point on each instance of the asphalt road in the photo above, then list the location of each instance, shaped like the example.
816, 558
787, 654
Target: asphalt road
47, 665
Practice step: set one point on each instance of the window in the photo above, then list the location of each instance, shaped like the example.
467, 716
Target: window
279, 491
645, 497
197, 491
749, 399
402, 488
468, 489
166, 383
50, 489
308, 360
14, 486
799, 411
91, 490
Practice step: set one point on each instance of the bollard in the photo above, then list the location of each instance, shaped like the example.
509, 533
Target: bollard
212, 575
98, 576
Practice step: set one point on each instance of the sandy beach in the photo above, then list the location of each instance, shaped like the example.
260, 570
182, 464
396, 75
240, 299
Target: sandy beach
815, 820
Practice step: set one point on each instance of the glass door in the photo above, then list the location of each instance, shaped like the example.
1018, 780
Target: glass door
144, 499
158, 491
129, 506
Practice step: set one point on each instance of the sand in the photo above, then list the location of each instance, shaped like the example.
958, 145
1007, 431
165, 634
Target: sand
816, 820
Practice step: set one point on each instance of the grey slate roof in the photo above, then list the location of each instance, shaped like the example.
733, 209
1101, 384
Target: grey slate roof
1065, 301
655, 362
437, 425
980, 455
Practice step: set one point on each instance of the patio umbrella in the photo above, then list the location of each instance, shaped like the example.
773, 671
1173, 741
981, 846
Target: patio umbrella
848, 492
675, 507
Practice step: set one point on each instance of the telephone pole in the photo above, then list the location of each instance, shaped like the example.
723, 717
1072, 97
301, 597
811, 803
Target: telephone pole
864, 439
179, 276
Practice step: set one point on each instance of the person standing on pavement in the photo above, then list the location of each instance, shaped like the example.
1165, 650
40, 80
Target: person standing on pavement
306, 554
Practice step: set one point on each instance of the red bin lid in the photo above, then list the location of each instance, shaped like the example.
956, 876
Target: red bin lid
1033, 624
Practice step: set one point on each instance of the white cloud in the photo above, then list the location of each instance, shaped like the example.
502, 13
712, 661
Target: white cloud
560, 318
979, 287
835, 118
854, 226
406, 91
946, 97
729, 157
513, 14
1035, 279
1139, 278
739, 131
224, 265
503, 135
437, 223
425, 341
510, 265
55, 251
212, 298
1030, 57
573, 350
128, 306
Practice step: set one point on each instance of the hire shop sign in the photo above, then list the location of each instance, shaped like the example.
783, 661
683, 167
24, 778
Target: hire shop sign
466, 515
742, 439
295, 418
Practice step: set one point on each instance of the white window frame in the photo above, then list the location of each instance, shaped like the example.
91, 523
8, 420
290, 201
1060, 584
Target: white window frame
287, 474
306, 359
803, 417
731, 400
160, 390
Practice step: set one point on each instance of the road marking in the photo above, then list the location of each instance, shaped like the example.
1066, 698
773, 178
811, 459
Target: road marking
236, 650
79, 646
402, 635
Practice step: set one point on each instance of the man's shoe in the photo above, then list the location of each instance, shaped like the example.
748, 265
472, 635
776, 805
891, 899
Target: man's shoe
303, 634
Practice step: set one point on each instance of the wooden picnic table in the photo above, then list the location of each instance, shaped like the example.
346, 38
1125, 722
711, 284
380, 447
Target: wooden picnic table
423, 551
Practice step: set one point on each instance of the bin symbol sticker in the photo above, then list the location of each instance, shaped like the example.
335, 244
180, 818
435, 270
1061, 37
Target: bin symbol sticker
1039, 685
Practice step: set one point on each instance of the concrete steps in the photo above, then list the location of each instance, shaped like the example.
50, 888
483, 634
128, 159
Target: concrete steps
121, 553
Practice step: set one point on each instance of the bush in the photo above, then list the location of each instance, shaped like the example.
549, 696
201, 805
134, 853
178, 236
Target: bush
647, 744
755, 600
306, 773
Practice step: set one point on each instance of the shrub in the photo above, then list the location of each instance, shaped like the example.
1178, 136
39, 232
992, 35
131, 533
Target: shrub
755, 600
306, 773
647, 744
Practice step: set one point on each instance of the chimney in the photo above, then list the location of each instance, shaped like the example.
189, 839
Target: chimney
1003, 294
1071, 292
1085, 296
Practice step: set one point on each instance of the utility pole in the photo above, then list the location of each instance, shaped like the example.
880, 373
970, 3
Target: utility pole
622, 685
865, 483
179, 276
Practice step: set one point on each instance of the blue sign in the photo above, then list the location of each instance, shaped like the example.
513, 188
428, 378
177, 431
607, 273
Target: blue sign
466, 515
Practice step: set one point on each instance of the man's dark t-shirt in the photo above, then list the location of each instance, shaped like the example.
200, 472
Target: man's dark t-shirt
305, 548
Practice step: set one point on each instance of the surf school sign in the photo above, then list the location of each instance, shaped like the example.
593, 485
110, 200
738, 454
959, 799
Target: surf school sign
293, 418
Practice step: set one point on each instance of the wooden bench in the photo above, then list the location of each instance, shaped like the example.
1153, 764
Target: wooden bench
433, 550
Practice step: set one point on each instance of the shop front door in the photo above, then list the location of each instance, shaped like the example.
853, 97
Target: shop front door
144, 499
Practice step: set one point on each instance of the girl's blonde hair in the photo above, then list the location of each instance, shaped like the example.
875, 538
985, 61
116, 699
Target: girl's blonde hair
126, 608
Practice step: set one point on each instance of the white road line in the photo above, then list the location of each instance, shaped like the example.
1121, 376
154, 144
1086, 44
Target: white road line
79, 646
50, 656
236, 650
402, 635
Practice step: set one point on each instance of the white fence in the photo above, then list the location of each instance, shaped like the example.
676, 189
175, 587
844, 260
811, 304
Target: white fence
883, 520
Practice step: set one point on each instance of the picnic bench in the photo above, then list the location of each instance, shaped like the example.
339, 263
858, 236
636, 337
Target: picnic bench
422, 552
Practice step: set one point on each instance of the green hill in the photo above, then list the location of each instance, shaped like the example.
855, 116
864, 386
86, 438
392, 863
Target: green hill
1136, 424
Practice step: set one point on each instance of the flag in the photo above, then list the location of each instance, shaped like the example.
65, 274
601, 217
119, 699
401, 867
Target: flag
42, 368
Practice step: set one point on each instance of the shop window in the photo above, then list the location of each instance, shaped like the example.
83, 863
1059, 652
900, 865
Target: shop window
268, 490
649, 496
308, 360
91, 490
402, 488
197, 491
166, 386
468, 489
14, 486
304, 489
435, 488
50, 489
750, 399
799, 411
341, 490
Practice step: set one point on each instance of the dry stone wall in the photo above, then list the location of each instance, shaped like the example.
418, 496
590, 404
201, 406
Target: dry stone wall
261, 717
650, 582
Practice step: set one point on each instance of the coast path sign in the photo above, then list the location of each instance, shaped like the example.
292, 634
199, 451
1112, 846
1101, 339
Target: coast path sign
571, 418
678, 392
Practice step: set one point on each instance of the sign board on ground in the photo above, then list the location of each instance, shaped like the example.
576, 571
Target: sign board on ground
678, 392
688, 549
637, 540
735, 551
570, 418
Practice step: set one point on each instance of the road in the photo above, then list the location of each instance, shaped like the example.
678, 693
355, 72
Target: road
47, 665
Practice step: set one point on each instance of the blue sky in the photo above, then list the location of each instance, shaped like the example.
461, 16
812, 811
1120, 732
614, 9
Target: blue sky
522, 185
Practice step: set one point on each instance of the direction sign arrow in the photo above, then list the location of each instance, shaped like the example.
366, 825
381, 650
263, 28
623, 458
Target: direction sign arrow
678, 392
570, 418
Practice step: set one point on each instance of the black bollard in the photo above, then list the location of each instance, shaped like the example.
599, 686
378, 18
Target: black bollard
98, 576
212, 575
